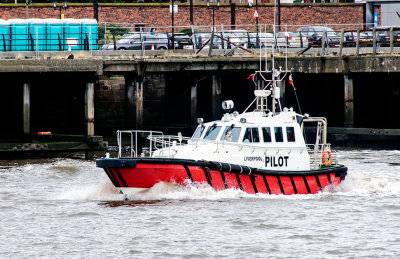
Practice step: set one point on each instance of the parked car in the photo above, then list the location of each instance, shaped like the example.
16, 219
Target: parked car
202, 38
350, 39
282, 39
238, 37
135, 41
265, 38
184, 41
383, 36
315, 33
292, 40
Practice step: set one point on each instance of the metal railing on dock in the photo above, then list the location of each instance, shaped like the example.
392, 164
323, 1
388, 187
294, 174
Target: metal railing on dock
320, 39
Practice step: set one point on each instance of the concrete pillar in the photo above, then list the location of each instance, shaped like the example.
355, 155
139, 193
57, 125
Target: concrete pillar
27, 108
89, 109
130, 102
216, 97
341, 42
193, 105
358, 43
139, 104
348, 102
374, 41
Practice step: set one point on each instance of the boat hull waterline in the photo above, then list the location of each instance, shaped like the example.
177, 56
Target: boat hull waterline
136, 174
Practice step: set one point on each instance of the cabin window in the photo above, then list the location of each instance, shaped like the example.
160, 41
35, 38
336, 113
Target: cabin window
267, 134
290, 134
278, 134
199, 131
251, 135
231, 134
212, 132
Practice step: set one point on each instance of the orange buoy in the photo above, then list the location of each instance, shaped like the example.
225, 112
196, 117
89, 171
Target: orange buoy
326, 161
44, 133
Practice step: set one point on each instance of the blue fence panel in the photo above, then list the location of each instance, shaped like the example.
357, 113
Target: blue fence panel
36, 34
90, 33
48, 34
4, 41
18, 35
72, 33
54, 34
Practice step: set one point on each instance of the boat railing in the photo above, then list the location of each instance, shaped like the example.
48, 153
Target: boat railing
169, 151
167, 142
317, 153
134, 141
157, 140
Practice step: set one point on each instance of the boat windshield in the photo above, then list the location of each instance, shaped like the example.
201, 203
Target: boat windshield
290, 134
278, 134
199, 131
231, 134
251, 135
266, 131
212, 132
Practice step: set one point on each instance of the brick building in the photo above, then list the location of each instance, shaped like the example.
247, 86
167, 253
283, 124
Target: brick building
159, 14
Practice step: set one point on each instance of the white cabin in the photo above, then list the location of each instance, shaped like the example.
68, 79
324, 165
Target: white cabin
254, 139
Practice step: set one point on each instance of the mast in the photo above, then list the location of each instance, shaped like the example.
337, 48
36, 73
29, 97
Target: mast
273, 66
261, 91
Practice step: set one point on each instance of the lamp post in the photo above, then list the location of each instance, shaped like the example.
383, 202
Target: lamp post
64, 6
28, 2
96, 10
213, 10
256, 15
257, 38
172, 21
279, 15
191, 12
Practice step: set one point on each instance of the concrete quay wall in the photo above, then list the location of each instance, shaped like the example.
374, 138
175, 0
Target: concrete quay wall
123, 65
169, 93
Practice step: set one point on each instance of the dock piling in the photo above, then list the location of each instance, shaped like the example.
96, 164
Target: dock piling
216, 97
27, 108
348, 102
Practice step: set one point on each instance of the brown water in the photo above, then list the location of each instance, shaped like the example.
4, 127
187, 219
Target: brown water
67, 208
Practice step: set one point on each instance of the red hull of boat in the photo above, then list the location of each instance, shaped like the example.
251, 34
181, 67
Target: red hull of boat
146, 175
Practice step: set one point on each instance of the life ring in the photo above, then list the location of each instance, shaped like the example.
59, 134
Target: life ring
325, 161
44, 133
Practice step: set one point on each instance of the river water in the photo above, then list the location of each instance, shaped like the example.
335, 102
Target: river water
67, 208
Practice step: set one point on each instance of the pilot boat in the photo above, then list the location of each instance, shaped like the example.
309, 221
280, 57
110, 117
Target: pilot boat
256, 151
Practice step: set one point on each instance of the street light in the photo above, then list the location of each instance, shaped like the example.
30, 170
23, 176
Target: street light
213, 11
28, 2
64, 6
250, 5
191, 12
96, 10
279, 15
172, 21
